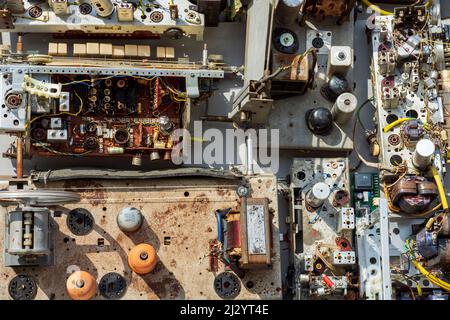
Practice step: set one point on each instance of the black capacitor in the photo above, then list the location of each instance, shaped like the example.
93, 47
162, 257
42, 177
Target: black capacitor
319, 120
336, 86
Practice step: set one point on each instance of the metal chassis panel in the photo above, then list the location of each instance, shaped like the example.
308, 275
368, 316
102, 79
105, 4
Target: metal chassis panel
91, 23
191, 76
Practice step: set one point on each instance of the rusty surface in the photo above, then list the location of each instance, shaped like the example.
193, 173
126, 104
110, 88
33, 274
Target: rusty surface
179, 223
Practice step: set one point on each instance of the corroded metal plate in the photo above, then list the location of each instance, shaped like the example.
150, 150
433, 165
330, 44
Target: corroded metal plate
179, 223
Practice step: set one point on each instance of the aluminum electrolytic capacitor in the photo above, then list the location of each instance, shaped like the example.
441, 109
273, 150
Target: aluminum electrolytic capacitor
318, 194
423, 155
344, 107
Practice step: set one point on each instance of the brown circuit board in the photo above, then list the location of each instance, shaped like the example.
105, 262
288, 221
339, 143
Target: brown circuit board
109, 116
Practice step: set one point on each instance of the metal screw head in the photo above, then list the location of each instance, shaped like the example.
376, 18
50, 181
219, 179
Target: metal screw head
143, 255
80, 283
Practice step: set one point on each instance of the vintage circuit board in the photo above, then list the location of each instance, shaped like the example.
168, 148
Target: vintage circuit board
131, 116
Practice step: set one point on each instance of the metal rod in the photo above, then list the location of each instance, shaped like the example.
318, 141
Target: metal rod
19, 157
216, 118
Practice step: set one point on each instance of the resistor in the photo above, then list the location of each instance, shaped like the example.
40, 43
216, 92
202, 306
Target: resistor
78, 150
114, 150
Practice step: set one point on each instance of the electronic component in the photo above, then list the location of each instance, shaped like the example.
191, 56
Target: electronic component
422, 157
22, 287
318, 194
255, 234
29, 237
129, 219
103, 8
363, 181
57, 135
227, 285
125, 12
60, 7
111, 19
319, 120
340, 60
346, 219
344, 257
287, 11
344, 107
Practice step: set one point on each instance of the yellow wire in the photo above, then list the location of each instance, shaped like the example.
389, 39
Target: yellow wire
440, 186
390, 126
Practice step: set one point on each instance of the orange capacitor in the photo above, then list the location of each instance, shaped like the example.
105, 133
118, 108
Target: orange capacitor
81, 286
142, 258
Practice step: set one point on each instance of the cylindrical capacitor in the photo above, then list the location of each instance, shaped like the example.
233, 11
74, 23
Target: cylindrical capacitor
344, 107
114, 150
423, 155
154, 155
318, 194
104, 8
136, 160
287, 11
15, 225
129, 219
